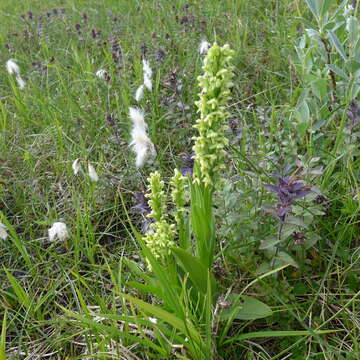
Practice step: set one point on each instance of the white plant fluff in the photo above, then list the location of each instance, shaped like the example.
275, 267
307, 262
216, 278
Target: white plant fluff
3, 232
147, 72
204, 47
92, 173
139, 93
13, 69
76, 166
140, 142
101, 74
59, 231
137, 118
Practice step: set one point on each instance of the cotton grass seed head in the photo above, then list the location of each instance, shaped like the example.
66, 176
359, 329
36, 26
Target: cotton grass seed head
92, 173
3, 232
138, 118
102, 74
204, 47
12, 67
140, 142
76, 166
20, 82
139, 93
147, 75
59, 231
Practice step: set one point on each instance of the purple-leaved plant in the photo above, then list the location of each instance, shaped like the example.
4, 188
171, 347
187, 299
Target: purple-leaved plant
188, 160
353, 114
288, 190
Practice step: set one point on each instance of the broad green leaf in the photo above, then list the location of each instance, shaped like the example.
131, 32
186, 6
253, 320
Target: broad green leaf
352, 67
337, 44
269, 334
326, 4
146, 289
319, 87
312, 4
285, 258
202, 221
245, 308
269, 243
198, 273
352, 25
296, 220
337, 71
356, 51
303, 112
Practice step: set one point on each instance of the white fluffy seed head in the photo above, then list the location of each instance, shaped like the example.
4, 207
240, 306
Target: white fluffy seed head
3, 232
137, 118
59, 231
204, 47
20, 81
92, 173
142, 147
147, 74
76, 166
139, 93
153, 320
147, 69
12, 67
101, 74
148, 83
140, 142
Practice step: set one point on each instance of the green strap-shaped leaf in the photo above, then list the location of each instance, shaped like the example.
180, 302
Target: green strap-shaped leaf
269, 334
186, 328
198, 273
3, 338
337, 44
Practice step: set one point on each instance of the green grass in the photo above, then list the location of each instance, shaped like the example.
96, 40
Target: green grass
61, 115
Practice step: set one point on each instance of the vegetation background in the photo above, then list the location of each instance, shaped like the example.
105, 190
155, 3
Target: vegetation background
66, 112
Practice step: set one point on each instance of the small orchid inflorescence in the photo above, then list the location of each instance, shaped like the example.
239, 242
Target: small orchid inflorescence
211, 141
161, 236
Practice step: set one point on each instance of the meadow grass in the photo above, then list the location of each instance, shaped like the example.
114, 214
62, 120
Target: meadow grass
53, 292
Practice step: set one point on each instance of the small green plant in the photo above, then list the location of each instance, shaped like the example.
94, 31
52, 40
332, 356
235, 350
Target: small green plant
192, 309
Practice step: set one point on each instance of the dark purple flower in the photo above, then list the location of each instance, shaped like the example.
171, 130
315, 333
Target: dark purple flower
142, 206
288, 190
188, 160
353, 114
